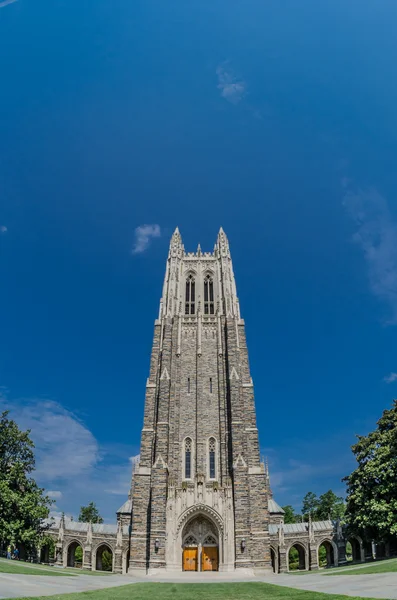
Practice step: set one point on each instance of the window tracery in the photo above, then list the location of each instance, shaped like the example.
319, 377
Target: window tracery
190, 296
209, 296
212, 451
188, 458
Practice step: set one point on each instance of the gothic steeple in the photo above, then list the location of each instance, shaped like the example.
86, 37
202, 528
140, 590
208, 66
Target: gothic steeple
176, 246
222, 244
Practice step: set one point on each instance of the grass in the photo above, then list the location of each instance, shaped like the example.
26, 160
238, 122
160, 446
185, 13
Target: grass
22, 568
19, 568
384, 566
200, 591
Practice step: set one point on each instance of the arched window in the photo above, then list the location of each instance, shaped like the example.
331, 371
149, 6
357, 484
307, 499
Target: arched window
190, 295
208, 296
211, 452
188, 458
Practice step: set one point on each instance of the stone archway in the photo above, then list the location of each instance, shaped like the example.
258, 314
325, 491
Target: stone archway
104, 558
200, 545
74, 556
274, 559
327, 554
357, 549
297, 557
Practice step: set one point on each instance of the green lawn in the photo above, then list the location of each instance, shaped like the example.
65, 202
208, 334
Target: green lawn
384, 566
198, 591
22, 568
19, 568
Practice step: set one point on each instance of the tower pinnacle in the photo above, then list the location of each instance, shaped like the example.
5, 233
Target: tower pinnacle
222, 243
176, 246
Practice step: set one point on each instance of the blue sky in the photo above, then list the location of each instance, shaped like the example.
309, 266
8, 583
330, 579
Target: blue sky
274, 119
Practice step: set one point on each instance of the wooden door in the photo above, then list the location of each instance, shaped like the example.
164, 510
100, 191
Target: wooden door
190, 559
210, 558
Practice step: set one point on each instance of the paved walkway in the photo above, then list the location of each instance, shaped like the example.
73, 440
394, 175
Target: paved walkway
382, 585
378, 585
17, 586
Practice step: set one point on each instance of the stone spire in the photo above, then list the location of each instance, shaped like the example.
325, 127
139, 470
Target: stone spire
61, 532
222, 244
89, 534
176, 246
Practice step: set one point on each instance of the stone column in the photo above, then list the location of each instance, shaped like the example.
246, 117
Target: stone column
283, 561
87, 558
313, 557
59, 554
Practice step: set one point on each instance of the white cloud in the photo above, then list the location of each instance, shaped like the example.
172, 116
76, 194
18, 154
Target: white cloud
7, 2
143, 236
70, 462
64, 446
390, 378
3, 228
232, 89
377, 236
55, 494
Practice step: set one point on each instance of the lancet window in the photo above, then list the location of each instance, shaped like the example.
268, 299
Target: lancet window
212, 457
209, 296
188, 458
190, 296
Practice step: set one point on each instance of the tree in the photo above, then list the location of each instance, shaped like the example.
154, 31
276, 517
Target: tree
289, 514
310, 505
330, 506
90, 513
372, 487
23, 505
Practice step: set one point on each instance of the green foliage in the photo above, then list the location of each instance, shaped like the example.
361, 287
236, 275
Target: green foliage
22, 503
327, 506
90, 513
107, 560
372, 487
290, 516
322, 556
330, 506
78, 555
309, 505
293, 559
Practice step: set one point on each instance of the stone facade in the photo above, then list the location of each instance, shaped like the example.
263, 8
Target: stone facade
200, 496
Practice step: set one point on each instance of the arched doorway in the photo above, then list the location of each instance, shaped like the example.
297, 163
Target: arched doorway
274, 559
200, 545
297, 558
75, 555
47, 551
104, 558
326, 554
353, 550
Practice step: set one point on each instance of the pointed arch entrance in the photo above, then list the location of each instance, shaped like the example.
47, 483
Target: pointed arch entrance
200, 545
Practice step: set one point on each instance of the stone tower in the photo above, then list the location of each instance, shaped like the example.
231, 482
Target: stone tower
200, 494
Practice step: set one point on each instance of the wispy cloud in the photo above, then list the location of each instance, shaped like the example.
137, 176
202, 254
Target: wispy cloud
3, 228
64, 446
4, 3
70, 462
55, 494
143, 237
377, 236
231, 87
390, 378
